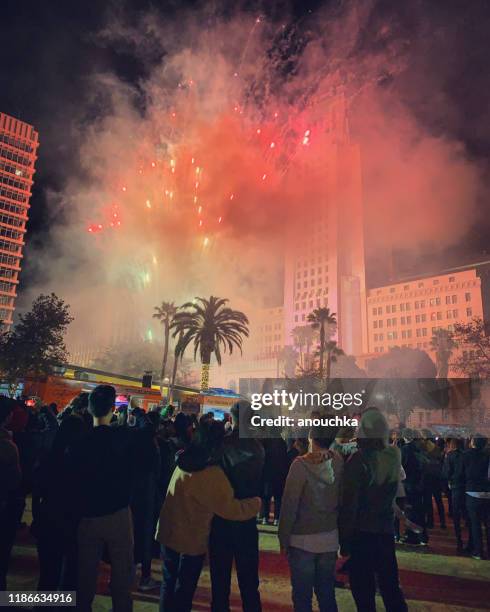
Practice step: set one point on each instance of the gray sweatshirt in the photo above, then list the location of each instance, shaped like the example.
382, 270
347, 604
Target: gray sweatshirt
311, 496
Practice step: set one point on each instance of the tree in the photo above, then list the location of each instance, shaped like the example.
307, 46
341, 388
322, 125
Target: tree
442, 343
345, 366
288, 357
474, 340
405, 367
212, 327
135, 358
165, 313
36, 345
333, 353
326, 322
303, 336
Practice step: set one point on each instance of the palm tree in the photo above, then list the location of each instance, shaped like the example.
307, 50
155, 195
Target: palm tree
178, 354
165, 314
212, 327
325, 321
333, 352
443, 344
299, 341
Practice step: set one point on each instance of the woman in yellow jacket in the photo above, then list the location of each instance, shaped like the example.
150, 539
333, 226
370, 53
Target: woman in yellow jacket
197, 491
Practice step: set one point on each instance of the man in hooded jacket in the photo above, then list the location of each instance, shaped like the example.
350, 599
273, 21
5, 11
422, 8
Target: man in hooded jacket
366, 520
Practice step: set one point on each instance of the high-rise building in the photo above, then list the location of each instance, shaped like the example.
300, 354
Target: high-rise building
324, 259
18, 146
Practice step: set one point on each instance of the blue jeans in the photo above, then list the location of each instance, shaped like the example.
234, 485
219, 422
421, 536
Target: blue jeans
312, 572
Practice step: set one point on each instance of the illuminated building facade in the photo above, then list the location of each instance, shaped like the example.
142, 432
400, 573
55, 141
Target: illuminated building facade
408, 313
324, 259
18, 146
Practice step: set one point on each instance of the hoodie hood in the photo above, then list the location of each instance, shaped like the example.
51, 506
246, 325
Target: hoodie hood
319, 467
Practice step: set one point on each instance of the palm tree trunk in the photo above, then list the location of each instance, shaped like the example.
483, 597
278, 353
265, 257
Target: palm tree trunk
165, 354
177, 356
329, 365
206, 360
174, 374
322, 350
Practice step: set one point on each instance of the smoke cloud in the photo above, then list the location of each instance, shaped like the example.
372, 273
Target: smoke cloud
192, 180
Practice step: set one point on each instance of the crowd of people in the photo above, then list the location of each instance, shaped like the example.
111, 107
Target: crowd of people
126, 487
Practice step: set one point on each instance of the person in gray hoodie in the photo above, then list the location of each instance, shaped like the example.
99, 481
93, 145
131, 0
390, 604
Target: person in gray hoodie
366, 520
308, 523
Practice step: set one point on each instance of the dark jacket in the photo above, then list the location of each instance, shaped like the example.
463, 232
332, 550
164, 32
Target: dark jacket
475, 469
412, 463
369, 489
276, 466
453, 469
10, 474
243, 463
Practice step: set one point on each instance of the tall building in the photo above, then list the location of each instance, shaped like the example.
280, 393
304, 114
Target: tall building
18, 146
324, 259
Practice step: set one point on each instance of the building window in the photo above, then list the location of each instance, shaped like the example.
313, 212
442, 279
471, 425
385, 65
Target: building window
402, 306
424, 331
375, 324
417, 318
448, 299
455, 313
402, 320
406, 287
439, 316
375, 311
409, 320
417, 304
467, 297
380, 323
420, 285
454, 299
469, 312
452, 279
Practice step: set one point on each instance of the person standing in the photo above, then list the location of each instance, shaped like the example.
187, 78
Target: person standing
10, 480
413, 464
276, 466
453, 472
197, 491
55, 513
242, 462
366, 520
308, 532
104, 464
476, 470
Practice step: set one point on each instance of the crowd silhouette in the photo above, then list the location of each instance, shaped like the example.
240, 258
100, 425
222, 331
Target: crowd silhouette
126, 487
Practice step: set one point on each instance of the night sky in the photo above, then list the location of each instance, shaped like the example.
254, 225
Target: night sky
48, 50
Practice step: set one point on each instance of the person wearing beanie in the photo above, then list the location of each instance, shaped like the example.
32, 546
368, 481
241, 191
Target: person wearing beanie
366, 521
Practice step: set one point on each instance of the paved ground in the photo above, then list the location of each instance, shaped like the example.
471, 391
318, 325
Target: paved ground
432, 578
